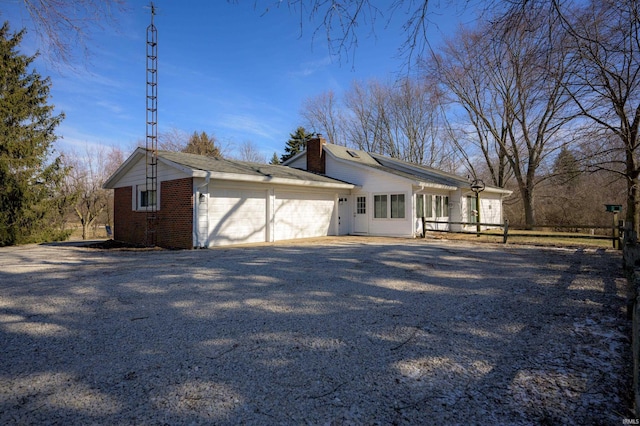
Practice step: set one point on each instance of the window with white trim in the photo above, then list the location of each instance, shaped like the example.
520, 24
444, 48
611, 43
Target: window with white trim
428, 206
442, 206
389, 206
397, 206
146, 199
380, 206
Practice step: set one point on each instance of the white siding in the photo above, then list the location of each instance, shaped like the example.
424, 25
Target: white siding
490, 208
136, 178
299, 163
236, 215
137, 175
376, 183
304, 214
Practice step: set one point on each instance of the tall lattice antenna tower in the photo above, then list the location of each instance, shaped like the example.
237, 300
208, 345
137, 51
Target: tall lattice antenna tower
152, 133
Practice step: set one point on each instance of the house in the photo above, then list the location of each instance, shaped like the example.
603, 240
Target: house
205, 202
325, 190
391, 196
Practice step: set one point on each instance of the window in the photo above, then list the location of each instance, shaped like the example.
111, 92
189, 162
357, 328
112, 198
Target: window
420, 206
397, 206
361, 205
353, 154
428, 206
389, 205
147, 198
472, 215
380, 206
442, 206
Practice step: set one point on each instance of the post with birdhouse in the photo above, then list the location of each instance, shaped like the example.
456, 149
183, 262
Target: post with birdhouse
615, 230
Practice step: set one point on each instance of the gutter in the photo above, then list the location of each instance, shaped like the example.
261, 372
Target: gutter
197, 210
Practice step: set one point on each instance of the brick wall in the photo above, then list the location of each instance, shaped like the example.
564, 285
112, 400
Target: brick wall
315, 155
128, 225
175, 216
175, 226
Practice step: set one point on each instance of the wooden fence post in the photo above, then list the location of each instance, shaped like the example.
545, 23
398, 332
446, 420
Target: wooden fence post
506, 231
614, 231
620, 233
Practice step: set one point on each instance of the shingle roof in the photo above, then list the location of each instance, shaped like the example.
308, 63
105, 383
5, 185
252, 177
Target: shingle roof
400, 168
379, 162
221, 165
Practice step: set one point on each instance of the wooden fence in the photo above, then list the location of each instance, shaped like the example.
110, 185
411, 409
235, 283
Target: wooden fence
616, 231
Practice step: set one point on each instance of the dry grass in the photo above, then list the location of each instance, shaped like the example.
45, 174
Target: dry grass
559, 239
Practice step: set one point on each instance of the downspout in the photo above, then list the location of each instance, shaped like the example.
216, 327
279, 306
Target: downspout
199, 243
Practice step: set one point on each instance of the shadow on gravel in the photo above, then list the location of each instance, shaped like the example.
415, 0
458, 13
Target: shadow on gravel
357, 332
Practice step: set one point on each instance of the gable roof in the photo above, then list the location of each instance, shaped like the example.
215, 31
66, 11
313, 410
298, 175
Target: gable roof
420, 174
223, 169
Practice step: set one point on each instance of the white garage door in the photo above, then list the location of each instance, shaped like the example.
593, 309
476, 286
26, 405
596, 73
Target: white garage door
237, 216
303, 215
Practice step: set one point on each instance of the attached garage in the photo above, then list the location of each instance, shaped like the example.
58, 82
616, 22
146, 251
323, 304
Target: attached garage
237, 215
222, 202
304, 214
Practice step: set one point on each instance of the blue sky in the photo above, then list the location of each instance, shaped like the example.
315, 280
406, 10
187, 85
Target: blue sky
224, 68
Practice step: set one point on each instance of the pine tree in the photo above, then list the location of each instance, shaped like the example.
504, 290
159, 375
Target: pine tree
30, 177
565, 168
275, 159
202, 144
297, 143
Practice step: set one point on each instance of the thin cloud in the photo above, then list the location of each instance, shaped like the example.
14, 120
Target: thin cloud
311, 67
247, 124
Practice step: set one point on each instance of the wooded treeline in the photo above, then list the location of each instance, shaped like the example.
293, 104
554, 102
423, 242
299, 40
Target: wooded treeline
514, 99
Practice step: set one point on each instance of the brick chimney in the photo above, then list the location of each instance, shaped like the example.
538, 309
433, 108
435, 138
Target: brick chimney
315, 154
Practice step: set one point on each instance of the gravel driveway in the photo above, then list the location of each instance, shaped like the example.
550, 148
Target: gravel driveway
340, 331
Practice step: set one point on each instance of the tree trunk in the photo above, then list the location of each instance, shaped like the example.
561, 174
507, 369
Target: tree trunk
633, 213
529, 209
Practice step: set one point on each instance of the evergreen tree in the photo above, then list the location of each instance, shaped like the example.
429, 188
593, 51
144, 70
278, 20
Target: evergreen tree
30, 178
275, 160
565, 167
297, 143
202, 144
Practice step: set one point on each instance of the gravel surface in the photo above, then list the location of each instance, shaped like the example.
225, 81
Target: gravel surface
336, 331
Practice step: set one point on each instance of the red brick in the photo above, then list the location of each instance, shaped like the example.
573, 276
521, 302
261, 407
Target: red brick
175, 216
315, 155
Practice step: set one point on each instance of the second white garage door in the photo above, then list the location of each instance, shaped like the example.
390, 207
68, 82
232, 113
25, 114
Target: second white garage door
237, 216
303, 214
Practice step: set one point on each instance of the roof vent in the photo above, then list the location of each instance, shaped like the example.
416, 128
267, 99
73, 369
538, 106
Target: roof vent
353, 154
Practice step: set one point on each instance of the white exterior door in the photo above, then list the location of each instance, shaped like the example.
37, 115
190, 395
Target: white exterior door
361, 219
237, 216
344, 216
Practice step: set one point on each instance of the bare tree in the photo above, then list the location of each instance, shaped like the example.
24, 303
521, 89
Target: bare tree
361, 127
510, 78
463, 68
341, 22
605, 86
64, 26
323, 116
172, 140
248, 151
89, 171
417, 121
